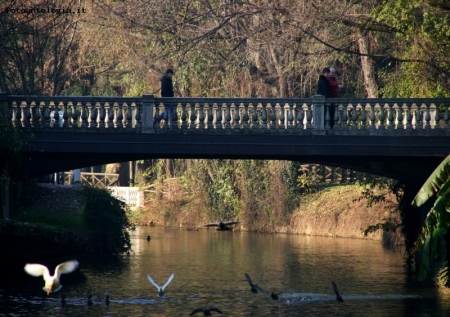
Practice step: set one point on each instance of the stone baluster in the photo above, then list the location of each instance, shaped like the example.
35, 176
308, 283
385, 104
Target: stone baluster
446, 118
363, 117
437, 117
92, 120
40, 114
427, 117
119, 118
336, 116
245, 116
228, 116
309, 116
192, 117
84, 115
408, 116
33, 120
137, 116
25, 115
345, 119
282, 125
74, 116
273, 117
19, 114
14, 120
418, 116
56, 114
47, 110
112, 115
209, 117
183, 116
354, 119
390, 117
290, 117
129, 116
300, 116
101, 115
201, 116
327, 125
372, 117
400, 117
264, 116
108, 109
237, 116
254, 116
219, 116
65, 115
381, 117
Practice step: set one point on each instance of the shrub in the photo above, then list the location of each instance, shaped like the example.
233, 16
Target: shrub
107, 223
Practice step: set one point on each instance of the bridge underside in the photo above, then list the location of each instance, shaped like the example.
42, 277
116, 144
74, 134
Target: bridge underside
401, 157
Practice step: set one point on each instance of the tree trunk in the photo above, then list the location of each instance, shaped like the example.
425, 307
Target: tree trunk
367, 65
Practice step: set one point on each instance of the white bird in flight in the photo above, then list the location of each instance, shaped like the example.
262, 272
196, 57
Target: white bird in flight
52, 283
160, 289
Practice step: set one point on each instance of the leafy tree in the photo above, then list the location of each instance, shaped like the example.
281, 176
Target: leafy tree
432, 240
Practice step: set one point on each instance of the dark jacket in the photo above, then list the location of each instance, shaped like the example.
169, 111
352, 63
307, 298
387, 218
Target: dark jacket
166, 87
323, 87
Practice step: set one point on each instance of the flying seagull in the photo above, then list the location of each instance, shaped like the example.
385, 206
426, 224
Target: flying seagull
52, 283
160, 289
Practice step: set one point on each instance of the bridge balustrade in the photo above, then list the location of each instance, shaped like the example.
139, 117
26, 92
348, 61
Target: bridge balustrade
226, 115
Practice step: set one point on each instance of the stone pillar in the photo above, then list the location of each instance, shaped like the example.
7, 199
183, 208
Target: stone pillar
318, 102
147, 113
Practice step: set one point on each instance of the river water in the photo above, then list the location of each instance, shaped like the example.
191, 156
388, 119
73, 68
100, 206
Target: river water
209, 269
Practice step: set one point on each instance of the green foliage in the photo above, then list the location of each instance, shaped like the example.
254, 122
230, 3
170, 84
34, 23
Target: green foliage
107, 222
432, 240
422, 41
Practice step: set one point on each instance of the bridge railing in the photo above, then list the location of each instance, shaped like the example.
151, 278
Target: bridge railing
226, 115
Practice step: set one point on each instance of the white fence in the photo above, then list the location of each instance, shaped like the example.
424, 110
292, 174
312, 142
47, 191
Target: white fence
130, 195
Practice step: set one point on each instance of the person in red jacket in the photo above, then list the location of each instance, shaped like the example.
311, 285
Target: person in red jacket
333, 84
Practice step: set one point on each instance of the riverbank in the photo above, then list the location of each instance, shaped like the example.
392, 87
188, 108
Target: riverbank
334, 211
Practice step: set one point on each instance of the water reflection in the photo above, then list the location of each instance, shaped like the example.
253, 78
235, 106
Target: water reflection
209, 267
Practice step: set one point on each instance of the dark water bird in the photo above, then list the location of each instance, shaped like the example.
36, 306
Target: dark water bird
63, 299
253, 287
222, 226
148, 238
338, 295
160, 289
107, 300
89, 300
273, 295
205, 311
52, 283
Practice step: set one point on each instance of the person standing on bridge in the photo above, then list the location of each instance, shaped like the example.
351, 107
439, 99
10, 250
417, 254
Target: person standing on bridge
323, 87
334, 91
334, 85
167, 91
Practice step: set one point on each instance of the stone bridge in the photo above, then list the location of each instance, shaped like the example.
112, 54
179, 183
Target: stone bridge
399, 138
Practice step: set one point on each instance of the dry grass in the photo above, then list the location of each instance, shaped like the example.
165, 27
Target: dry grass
338, 212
